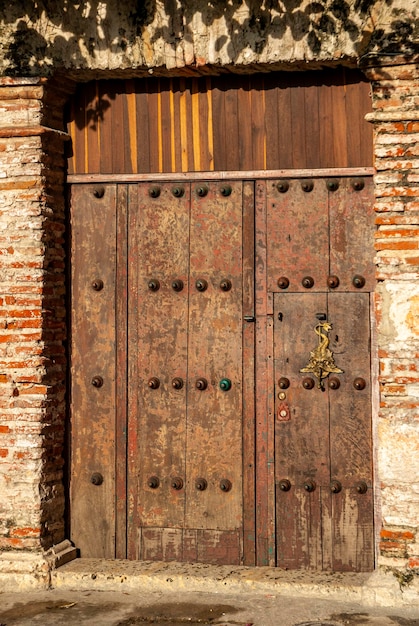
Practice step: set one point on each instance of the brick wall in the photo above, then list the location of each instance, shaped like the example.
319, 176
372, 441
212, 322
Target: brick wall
32, 321
395, 90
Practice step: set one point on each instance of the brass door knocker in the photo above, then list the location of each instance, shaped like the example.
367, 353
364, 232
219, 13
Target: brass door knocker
321, 362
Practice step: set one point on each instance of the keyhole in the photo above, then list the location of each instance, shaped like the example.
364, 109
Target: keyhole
336, 338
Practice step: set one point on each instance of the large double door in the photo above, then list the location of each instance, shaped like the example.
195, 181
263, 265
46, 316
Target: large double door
220, 366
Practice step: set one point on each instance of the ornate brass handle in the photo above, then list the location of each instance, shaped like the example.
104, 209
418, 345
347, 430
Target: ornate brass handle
322, 362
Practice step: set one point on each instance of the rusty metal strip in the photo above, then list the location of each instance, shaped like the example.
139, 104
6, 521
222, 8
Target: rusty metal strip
221, 175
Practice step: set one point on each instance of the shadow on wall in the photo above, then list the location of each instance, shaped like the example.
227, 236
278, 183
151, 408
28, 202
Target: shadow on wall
44, 33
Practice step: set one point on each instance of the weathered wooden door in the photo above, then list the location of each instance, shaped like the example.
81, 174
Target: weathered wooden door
320, 274
172, 458
162, 285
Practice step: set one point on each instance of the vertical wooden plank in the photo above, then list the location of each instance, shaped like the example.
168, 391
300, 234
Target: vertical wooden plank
121, 370
258, 124
311, 109
93, 331
232, 129
249, 494
177, 126
132, 138
298, 124
244, 115
219, 126
340, 145
298, 245
183, 125
105, 94
352, 232
166, 127
92, 128
353, 111
285, 129
153, 123
214, 416
327, 137
190, 137
272, 122
162, 231
262, 426
210, 123
205, 154
351, 433
119, 132
196, 125
143, 127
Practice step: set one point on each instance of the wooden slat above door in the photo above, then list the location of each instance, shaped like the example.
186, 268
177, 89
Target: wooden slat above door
266, 121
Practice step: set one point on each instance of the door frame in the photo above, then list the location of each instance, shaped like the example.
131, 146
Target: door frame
260, 479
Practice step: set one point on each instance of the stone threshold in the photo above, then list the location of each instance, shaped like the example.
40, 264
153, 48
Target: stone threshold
371, 589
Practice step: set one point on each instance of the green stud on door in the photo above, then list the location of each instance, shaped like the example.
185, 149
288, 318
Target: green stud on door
225, 384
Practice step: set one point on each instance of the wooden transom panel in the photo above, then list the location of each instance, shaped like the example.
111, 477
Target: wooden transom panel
264, 121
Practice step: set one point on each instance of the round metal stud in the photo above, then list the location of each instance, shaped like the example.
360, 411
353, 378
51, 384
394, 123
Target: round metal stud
283, 282
201, 284
358, 281
225, 284
154, 383
177, 285
96, 479
225, 485
307, 282
176, 483
201, 484
284, 485
308, 383
333, 282
359, 384
202, 191
201, 384
153, 482
307, 185
225, 384
178, 192
154, 192
358, 184
225, 190
332, 185
97, 381
154, 284
177, 383
335, 486
99, 192
361, 487
334, 383
97, 284
283, 186
283, 383
309, 485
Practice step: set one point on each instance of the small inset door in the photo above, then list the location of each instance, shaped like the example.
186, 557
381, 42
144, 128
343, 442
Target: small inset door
321, 276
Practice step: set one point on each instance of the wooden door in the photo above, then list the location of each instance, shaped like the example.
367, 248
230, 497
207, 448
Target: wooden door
321, 276
165, 429
162, 281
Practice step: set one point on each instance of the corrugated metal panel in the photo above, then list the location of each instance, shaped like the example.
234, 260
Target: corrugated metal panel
272, 121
